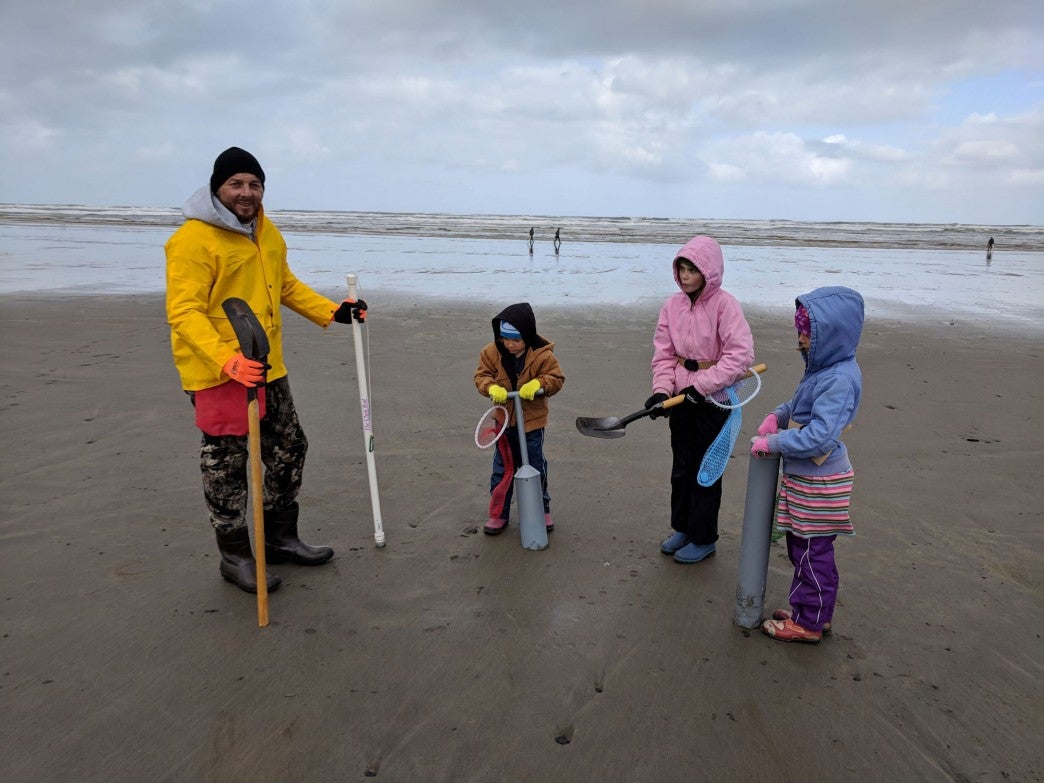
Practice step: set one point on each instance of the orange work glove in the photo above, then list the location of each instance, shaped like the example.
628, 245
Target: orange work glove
245, 371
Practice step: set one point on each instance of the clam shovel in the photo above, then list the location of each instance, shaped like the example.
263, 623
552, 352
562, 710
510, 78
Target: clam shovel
253, 342
613, 427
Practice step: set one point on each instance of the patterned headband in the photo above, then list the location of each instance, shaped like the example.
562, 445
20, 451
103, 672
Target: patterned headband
802, 321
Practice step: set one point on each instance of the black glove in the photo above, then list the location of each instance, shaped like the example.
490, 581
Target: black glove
691, 365
351, 308
656, 399
692, 396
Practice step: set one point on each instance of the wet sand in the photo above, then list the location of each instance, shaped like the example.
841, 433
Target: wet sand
454, 656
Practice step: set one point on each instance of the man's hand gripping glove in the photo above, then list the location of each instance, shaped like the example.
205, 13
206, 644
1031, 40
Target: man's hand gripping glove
349, 309
245, 371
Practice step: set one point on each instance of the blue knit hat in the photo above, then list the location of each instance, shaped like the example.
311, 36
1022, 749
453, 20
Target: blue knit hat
509, 332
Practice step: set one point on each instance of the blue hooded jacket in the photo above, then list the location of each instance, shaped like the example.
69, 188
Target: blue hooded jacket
827, 396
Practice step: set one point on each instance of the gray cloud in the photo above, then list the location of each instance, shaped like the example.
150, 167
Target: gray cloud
417, 104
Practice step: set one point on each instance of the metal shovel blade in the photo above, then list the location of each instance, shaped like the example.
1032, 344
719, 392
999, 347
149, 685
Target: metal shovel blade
253, 341
612, 427
607, 427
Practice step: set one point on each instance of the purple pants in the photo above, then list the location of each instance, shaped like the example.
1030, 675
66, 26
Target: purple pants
814, 589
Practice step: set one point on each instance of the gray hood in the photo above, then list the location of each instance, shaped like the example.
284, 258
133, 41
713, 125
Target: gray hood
204, 205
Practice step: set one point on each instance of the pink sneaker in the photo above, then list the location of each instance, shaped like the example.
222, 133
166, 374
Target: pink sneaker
494, 527
789, 631
784, 614
548, 523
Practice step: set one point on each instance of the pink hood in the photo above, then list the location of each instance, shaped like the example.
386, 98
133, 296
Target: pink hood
705, 253
710, 329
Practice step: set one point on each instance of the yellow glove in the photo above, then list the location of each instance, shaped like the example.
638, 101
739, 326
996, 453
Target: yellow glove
529, 390
498, 394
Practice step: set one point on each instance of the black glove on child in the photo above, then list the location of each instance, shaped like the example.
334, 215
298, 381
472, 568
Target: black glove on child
692, 396
656, 399
351, 308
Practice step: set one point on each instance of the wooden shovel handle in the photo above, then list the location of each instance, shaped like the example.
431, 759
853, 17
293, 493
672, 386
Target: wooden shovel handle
257, 496
679, 399
670, 402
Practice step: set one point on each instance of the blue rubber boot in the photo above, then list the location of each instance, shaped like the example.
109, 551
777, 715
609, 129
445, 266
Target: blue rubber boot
694, 553
674, 543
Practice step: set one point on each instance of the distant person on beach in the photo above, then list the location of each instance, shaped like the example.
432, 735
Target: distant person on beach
989, 249
702, 344
519, 360
558, 239
816, 487
531, 241
227, 247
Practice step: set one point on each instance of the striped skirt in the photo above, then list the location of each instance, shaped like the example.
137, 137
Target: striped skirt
811, 506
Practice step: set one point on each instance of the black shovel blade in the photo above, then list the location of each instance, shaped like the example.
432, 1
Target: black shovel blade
253, 341
608, 427
612, 427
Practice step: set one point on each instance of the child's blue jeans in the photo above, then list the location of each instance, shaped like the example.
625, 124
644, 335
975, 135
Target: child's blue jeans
507, 459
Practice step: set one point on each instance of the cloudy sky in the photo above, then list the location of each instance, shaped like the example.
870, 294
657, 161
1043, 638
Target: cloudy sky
892, 110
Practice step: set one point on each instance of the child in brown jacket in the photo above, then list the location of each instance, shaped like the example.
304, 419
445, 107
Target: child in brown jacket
519, 360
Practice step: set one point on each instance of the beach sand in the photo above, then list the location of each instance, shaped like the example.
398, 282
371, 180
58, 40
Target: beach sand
454, 656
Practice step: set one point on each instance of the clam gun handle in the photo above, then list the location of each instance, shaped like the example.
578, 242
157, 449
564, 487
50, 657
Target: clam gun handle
513, 394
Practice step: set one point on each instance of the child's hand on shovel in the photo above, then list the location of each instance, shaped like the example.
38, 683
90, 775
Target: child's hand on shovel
656, 399
245, 371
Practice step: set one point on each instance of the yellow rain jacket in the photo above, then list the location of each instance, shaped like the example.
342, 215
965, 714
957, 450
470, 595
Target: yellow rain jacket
208, 261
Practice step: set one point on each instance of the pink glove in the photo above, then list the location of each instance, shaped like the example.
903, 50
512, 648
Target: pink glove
759, 447
769, 426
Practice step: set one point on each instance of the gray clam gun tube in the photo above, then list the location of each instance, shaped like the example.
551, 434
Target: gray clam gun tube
528, 490
762, 475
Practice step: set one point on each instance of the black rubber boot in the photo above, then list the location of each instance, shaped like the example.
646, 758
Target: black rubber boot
237, 561
282, 544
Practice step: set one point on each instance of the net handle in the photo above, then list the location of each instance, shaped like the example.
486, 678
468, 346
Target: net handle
730, 391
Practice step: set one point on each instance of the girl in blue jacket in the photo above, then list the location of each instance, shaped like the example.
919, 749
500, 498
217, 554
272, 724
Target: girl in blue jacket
817, 478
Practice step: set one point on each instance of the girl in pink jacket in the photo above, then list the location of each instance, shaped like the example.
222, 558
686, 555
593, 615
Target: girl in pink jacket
702, 344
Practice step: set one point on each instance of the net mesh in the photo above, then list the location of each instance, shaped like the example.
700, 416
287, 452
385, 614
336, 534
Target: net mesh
739, 394
491, 426
717, 456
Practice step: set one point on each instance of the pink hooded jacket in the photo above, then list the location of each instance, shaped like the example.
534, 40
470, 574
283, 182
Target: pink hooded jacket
710, 329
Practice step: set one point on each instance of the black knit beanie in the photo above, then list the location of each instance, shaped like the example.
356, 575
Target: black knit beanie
231, 162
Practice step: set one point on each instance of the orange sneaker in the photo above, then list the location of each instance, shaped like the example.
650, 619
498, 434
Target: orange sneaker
784, 614
789, 631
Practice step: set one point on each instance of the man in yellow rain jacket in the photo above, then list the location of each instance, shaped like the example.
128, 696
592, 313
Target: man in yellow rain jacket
228, 248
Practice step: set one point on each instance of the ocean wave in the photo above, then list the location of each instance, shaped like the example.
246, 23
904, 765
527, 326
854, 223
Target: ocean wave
645, 230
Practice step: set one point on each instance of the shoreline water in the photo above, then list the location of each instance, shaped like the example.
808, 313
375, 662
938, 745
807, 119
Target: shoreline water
926, 285
614, 229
